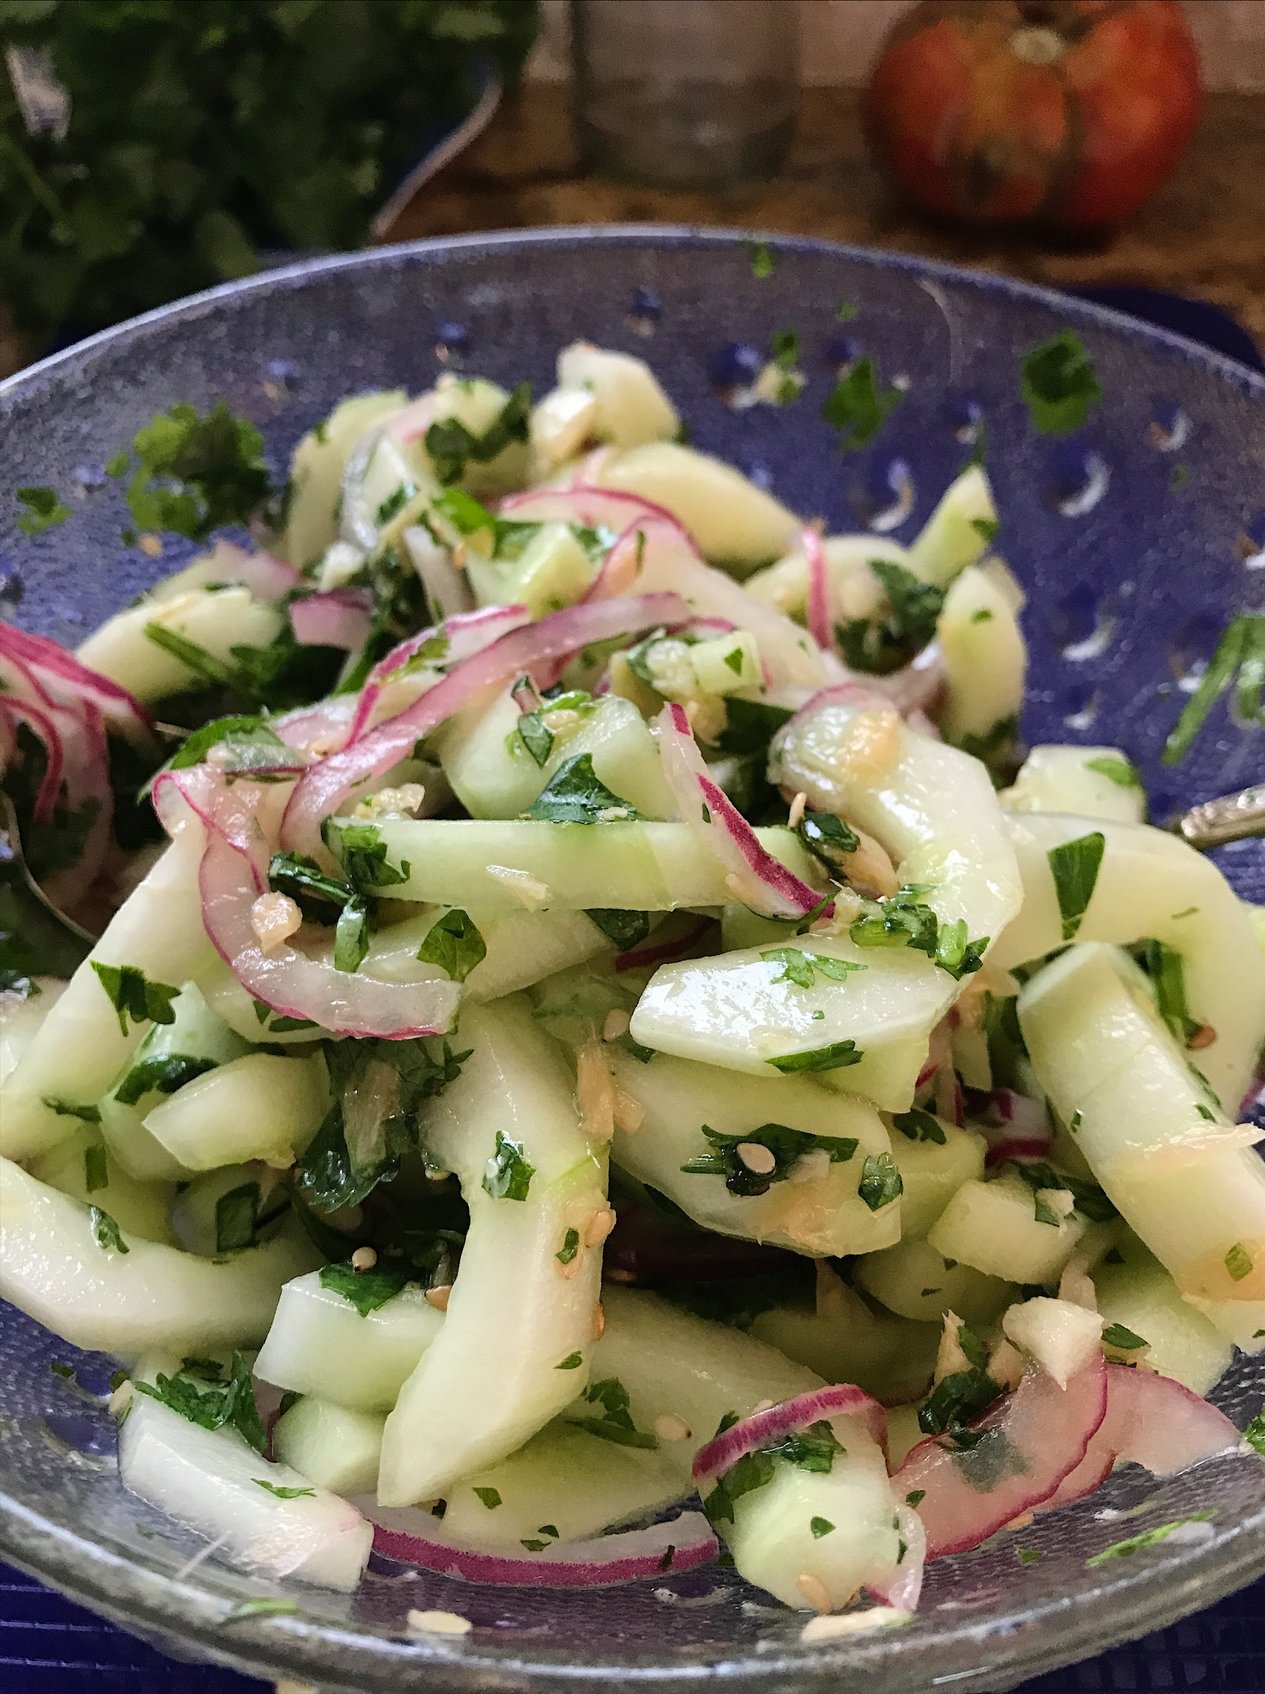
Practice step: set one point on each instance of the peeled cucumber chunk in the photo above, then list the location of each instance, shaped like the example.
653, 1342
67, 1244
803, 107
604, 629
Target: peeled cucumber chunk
199, 1225
516, 866
777, 1537
985, 657
20, 1017
933, 1170
844, 1338
477, 404
740, 1010
1151, 885
80, 1047
992, 1226
1182, 1342
817, 1210
1088, 782
566, 1479
573, 1006
492, 1376
956, 534
320, 1345
56, 1269
853, 586
495, 776
523, 948
914, 1281
139, 1208
261, 1106
631, 406
333, 1446
733, 522
1175, 1167
553, 570
216, 620
208, 1479
316, 473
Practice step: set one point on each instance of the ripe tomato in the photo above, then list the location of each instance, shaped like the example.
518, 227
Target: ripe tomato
1069, 113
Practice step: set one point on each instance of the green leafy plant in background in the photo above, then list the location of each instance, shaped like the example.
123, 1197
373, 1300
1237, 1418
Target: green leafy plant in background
201, 133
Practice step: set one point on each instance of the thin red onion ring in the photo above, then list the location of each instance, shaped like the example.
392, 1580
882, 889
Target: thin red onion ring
466, 633
58, 674
337, 619
583, 503
764, 1429
41, 722
264, 574
644, 958
818, 600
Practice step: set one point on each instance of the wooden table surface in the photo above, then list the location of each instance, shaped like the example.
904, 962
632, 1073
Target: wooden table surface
1203, 234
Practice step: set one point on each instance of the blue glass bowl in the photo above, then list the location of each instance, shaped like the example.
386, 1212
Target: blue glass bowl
1137, 538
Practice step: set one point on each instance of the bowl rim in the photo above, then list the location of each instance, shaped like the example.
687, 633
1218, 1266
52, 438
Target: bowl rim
994, 1653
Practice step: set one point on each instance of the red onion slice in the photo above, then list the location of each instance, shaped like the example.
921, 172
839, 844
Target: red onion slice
415, 1537
60, 676
818, 601
592, 508
764, 1429
323, 788
645, 958
16, 711
264, 574
904, 1588
466, 634
337, 619
754, 876
1032, 1440
1152, 1421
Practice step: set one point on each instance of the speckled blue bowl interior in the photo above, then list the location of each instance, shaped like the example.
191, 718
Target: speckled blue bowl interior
1136, 540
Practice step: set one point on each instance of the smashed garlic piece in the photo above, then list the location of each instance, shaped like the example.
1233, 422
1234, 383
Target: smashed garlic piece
275, 918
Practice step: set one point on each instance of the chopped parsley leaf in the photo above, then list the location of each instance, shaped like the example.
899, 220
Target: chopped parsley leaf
880, 1181
108, 1235
886, 643
827, 838
1167, 971
905, 920
262, 1608
134, 996
858, 407
801, 967
1116, 768
1239, 661
161, 1073
623, 929
1074, 865
615, 1423
195, 474
281, 1493
1238, 1262
573, 1361
236, 1213
570, 1247
820, 1526
785, 1144
1059, 384
508, 1174
762, 260
1126, 1340
576, 794
455, 944
367, 1290
43, 508
451, 446
200, 1392
1148, 1538
489, 1496
835, 1056
96, 1167
917, 1125
72, 1109
1254, 1434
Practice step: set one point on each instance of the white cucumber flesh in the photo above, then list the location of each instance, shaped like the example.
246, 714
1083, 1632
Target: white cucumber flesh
1181, 1341
21, 1015
1086, 782
334, 1446
523, 948
632, 408
261, 1106
993, 1227
320, 1345
208, 1479
957, 532
492, 1376
843, 1338
932, 1170
316, 473
913, 1280
552, 571
853, 587
1152, 886
821, 1215
215, 621
985, 658
139, 1208
96, 1296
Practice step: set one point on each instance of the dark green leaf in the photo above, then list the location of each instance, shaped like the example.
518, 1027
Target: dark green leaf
787, 1146
489, 1496
108, 1235
827, 838
134, 996
918, 1125
236, 1213
366, 1290
451, 445
351, 935
161, 1073
1123, 772
454, 944
96, 1167
1238, 1262
576, 794
1254, 1434
819, 1527
535, 736
750, 725
1239, 660
43, 509
213, 1403
884, 644
570, 1247
802, 967
72, 1109
573, 1361
1167, 971
1148, 1538
858, 406
1074, 865
1126, 1340
509, 1173
1059, 384
880, 1181
622, 929
249, 740
832, 1057
615, 1422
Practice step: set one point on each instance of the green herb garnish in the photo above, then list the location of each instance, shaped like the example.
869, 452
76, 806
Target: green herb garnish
1059, 384
835, 1056
1074, 865
134, 996
455, 944
1148, 1538
785, 1144
576, 794
858, 407
880, 1181
508, 1174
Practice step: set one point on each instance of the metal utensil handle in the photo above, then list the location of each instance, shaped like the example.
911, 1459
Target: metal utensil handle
1233, 817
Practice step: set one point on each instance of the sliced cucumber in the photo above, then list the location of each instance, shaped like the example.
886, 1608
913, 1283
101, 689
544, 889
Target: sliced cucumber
1089, 782
209, 1479
957, 533
632, 408
573, 1006
1175, 1167
260, 1106
734, 522
1181, 1342
552, 571
477, 404
853, 586
319, 1344
80, 1048
985, 658
1150, 885
495, 1374
914, 1281
199, 1224
818, 1210
933, 1170
741, 1011
21, 1015
993, 1227
316, 473
60, 1269
248, 1018
217, 621
843, 1338
333, 1446
139, 1208
523, 948
512, 866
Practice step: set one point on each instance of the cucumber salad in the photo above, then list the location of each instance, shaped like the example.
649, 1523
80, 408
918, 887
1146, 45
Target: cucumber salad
552, 1032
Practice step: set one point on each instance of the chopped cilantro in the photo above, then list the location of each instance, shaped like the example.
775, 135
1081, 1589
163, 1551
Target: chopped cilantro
801, 967
987, 528
615, 1422
905, 920
245, 736
395, 503
820, 1526
108, 1235
1148, 1538
1239, 661
43, 509
508, 1174
918, 1125
96, 1167
489, 1496
960, 1396
1090, 1200
72, 1109
829, 1058
161, 1073
455, 944
236, 1213
1167, 971
576, 794
133, 996
1059, 384
813, 1449
1074, 865
1116, 768
200, 1392
762, 260
884, 644
785, 1144
880, 1181
466, 514
1238, 1262
351, 935
827, 838
1254, 1434
734, 660
623, 929
1028, 1555
981, 615
195, 473
573, 1361
281, 1493
858, 407
570, 1247
916, 1497
750, 725
451, 446
536, 736
315, 890
1124, 1339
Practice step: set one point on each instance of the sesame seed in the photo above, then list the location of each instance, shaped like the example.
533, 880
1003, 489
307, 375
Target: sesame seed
761, 1160
851, 1623
616, 1024
1204, 1036
600, 1226
814, 1591
439, 1623
599, 1321
363, 1259
669, 1427
438, 1297
796, 814
151, 545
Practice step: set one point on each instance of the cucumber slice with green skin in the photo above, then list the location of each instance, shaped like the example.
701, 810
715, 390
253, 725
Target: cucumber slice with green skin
333, 1446
1173, 1165
100, 1298
913, 1280
564, 1479
139, 1208
740, 1011
777, 1537
492, 1378
931, 806
316, 473
1063, 779
320, 1345
208, 1479
733, 522
1141, 1295
198, 1034
494, 776
933, 1171
956, 534
992, 1226
822, 1216
1150, 885
218, 622
512, 866
985, 656
843, 1338
727, 664
20, 1016
260, 1106
79, 1049
676, 1366
553, 570
523, 948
